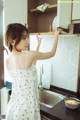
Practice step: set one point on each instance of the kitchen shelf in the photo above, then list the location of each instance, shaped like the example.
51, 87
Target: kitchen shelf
43, 33
38, 21
48, 9
47, 33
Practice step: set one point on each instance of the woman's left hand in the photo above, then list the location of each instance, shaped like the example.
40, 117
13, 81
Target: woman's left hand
38, 39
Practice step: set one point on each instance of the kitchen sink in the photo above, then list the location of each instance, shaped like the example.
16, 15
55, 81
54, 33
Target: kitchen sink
49, 98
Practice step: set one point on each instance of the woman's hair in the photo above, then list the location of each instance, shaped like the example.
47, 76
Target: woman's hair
14, 31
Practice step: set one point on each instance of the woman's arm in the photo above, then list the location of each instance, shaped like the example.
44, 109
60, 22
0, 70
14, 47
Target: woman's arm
40, 55
38, 44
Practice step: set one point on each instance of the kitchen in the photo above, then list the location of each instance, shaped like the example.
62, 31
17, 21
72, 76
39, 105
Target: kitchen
65, 65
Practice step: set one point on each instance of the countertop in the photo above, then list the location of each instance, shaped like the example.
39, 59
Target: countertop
60, 112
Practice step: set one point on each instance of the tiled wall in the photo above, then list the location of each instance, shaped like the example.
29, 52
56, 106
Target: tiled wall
65, 63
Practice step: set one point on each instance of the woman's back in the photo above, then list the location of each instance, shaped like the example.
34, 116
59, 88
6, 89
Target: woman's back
24, 98
21, 60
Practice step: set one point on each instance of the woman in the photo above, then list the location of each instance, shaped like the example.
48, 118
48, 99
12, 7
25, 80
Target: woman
24, 101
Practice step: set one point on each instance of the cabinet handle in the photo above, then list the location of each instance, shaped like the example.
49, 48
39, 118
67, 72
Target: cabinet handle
64, 29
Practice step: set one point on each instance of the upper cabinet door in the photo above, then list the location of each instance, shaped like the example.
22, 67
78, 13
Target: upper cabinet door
64, 13
76, 9
15, 11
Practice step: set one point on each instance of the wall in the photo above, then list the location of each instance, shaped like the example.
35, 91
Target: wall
65, 62
1, 47
15, 11
1, 42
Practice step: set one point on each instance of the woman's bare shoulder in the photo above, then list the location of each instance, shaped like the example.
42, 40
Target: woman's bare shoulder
30, 53
27, 57
27, 54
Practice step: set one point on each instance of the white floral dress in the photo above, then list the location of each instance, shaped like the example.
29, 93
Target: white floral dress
24, 101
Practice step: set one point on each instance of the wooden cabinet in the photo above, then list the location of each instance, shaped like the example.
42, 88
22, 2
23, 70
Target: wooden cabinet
64, 13
15, 11
75, 11
41, 21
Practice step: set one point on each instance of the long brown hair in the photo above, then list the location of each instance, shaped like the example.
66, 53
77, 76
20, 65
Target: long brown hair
14, 31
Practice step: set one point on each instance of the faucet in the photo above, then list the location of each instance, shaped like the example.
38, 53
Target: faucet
41, 73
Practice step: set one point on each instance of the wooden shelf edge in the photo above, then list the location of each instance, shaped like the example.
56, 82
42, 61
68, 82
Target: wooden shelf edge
52, 6
49, 7
48, 33
42, 33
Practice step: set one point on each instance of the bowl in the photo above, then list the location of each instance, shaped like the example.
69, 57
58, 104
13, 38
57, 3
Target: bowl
72, 103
